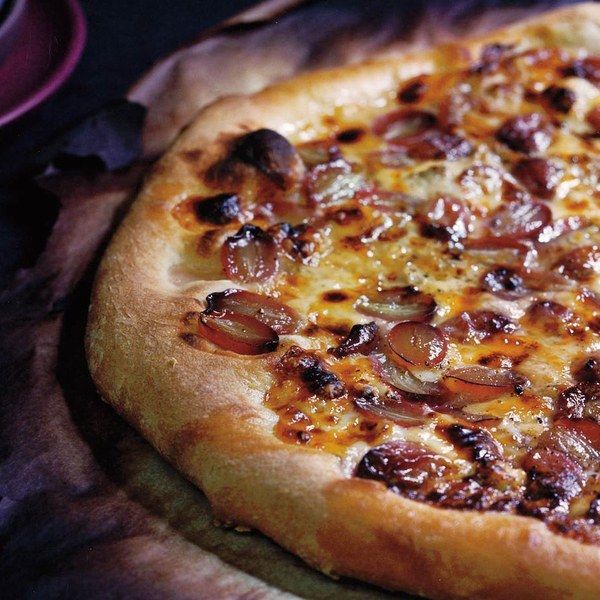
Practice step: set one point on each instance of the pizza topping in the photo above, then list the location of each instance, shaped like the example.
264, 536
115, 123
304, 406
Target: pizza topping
581, 263
519, 220
453, 109
238, 332
332, 183
491, 55
444, 218
560, 99
482, 383
504, 283
593, 118
402, 379
438, 145
480, 445
412, 92
403, 126
477, 325
552, 476
349, 136
580, 401
417, 344
250, 255
280, 317
588, 369
398, 304
270, 153
527, 133
394, 407
360, 339
586, 68
553, 318
219, 210
404, 467
313, 372
539, 175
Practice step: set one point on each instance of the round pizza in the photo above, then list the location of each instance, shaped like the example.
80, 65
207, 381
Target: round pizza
361, 311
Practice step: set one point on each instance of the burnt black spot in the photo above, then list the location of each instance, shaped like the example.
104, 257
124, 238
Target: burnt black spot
335, 296
560, 99
481, 445
412, 92
359, 339
219, 210
349, 136
269, 152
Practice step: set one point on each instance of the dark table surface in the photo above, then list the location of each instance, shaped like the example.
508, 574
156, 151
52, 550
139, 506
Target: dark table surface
124, 40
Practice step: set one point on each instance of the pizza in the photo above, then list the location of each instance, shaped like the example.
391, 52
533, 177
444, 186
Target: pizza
361, 311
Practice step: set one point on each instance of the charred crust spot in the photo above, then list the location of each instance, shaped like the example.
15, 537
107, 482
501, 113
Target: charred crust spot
560, 99
349, 136
191, 318
360, 339
269, 152
335, 296
412, 92
218, 210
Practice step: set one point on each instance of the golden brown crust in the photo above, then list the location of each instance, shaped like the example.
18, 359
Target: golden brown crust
203, 410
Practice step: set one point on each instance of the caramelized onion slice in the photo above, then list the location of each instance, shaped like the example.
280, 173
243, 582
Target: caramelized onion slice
239, 333
477, 325
280, 317
417, 344
482, 383
402, 379
250, 255
398, 304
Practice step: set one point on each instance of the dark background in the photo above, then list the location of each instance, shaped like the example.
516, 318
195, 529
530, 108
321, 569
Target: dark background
125, 37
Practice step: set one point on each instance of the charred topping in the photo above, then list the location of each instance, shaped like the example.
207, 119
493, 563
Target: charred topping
553, 478
504, 282
405, 467
560, 99
480, 444
588, 370
335, 296
269, 152
359, 339
313, 373
490, 57
349, 136
219, 210
412, 92
300, 242
526, 133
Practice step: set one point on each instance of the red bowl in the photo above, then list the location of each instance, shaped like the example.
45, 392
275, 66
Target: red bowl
41, 41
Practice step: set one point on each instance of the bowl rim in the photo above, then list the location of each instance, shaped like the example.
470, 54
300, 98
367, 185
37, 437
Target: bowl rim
62, 70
